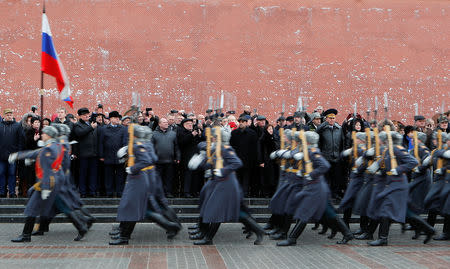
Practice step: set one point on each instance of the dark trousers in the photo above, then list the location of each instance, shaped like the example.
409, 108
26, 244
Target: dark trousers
7, 176
88, 176
114, 179
244, 175
166, 172
335, 179
188, 181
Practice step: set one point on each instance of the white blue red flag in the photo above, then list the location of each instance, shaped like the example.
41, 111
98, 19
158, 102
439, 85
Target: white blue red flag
51, 64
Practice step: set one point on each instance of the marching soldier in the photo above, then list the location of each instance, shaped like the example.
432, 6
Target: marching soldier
437, 200
313, 202
390, 198
357, 172
49, 174
222, 196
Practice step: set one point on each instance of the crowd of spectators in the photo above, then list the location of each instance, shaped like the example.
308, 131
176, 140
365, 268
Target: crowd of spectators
98, 172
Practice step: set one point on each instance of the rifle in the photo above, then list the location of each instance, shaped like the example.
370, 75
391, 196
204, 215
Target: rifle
440, 161
130, 144
377, 143
219, 160
369, 141
387, 129
355, 147
308, 167
416, 146
208, 145
282, 146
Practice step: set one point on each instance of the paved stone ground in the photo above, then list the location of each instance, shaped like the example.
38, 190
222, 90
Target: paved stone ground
149, 248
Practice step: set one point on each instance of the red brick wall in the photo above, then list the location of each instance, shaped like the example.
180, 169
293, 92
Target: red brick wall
178, 53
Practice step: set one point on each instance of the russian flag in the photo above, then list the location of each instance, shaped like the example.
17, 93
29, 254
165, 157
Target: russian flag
51, 64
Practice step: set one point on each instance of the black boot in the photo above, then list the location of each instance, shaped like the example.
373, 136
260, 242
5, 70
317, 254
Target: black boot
446, 230
292, 239
213, 227
368, 235
251, 223
421, 225
347, 216
44, 222
127, 228
431, 219
203, 228
383, 233
343, 228
162, 221
90, 219
26, 233
79, 224
363, 225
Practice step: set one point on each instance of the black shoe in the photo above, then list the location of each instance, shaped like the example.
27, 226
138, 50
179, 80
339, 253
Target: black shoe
203, 242
80, 236
346, 238
169, 195
429, 236
364, 236
379, 242
2, 195
13, 195
22, 238
37, 233
120, 241
358, 232
442, 237
287, 242
278, 236
316, 226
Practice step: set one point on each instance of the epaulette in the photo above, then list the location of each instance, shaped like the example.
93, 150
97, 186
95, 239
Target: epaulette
400, 147
226, 146
313, 149
138, 143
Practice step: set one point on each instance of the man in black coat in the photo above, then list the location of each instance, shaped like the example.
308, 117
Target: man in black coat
11, 140
331, 145
166, 148
86, 135
245, 143
111, 138
188, 138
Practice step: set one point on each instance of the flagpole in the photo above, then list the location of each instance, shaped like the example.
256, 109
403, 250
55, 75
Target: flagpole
41, 92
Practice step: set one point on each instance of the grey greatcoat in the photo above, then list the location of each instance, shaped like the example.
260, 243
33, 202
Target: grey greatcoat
48, 174
133, 204
222, 201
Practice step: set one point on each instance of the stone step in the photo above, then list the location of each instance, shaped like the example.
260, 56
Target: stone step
112, 209
115, 201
